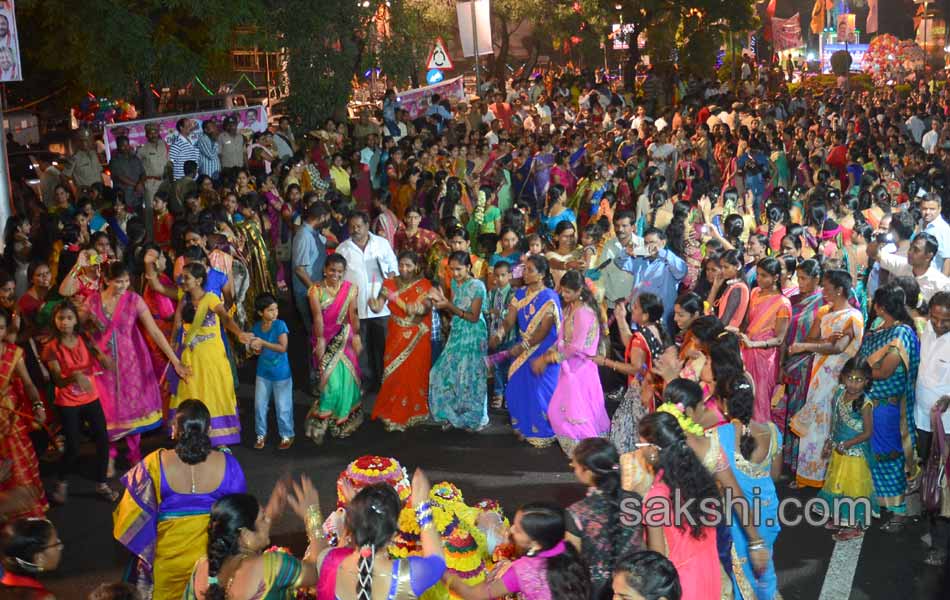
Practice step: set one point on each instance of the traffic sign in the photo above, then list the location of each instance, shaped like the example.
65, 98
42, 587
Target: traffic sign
439, 57
434, 76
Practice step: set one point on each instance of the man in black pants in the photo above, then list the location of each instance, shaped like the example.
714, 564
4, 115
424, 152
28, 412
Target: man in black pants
369, 259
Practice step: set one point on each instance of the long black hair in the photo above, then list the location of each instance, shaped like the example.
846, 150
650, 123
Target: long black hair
893, 301
372, 518
573, 280
229, 515
682, 470
192, 424
545, 523
741, 403
541, 264
726, 361
600, 457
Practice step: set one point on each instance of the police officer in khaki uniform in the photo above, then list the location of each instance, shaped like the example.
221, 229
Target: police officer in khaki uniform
83, 166
154, 156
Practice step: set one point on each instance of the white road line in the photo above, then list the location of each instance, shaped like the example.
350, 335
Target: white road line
840, 574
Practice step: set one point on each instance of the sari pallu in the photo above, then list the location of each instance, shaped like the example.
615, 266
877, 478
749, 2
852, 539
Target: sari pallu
756, 483
338, 408
166, 531
528, 395
895, 432
762, 363
130, 396
16, 421
402, 399
813, 422
261, 266
796, 373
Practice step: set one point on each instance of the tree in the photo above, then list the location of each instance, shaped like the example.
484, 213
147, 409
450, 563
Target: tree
414, 26
325, 45
687, 28
118, 48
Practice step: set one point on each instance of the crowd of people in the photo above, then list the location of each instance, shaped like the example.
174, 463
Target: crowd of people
685, 298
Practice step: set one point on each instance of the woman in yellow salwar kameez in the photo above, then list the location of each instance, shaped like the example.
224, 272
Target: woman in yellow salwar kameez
202, 352
163, 515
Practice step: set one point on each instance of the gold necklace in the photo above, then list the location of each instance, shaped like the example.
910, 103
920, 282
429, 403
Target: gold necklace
194, 485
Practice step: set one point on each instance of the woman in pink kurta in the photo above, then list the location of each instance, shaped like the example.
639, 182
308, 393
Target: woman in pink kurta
576, 410
765, 328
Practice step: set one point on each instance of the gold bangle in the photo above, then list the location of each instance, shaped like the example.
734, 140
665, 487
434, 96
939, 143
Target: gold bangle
314, 521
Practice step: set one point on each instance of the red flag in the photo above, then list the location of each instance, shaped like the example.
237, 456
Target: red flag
769, 15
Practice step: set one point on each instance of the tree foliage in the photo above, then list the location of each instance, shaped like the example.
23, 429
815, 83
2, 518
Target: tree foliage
681, 32
111, 46
414, 26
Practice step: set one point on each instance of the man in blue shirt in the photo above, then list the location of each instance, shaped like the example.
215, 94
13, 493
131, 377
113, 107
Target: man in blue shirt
660, 272
308, 257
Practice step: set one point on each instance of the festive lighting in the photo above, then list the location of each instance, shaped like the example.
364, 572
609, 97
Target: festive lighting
811, 56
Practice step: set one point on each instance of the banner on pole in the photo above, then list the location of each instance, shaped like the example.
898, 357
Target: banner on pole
787, 33
846, 27
10, 68
250, 120
416, 101
482, 26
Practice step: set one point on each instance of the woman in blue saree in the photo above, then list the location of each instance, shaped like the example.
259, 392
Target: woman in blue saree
536, 309
893, 351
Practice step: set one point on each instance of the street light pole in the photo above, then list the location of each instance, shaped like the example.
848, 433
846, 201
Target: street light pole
475, 46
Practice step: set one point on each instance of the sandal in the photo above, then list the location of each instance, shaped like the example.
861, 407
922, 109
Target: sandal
847, 533
893, 526
104, 491
60, 493
935, 558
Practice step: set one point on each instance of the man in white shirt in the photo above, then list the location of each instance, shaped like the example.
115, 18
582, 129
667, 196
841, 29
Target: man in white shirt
918, 265
916, 127
933, 394
937, 226
369, 260
930, 139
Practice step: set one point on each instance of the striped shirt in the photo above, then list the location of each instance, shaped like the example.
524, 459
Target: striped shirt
180, 151
208, 161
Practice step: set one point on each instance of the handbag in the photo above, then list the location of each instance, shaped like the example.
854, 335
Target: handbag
935, 469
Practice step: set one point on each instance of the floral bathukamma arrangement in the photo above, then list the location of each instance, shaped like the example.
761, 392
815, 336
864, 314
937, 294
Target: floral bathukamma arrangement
362, 472
463, 543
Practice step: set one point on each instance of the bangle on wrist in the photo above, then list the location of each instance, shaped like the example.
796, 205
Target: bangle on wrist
314, 521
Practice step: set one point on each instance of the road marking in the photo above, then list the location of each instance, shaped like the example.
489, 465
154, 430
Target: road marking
840, 574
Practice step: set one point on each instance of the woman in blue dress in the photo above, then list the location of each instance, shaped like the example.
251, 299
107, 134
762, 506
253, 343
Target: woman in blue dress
892, 348
458, 381
536, 309
754, 453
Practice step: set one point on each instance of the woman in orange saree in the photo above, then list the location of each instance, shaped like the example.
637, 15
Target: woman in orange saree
402, 399
17, 418
765, 329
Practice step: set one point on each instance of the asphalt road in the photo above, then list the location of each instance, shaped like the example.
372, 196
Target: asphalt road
491, 464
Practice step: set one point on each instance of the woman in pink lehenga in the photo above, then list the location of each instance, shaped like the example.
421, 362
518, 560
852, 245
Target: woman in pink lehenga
576, 410
765, 328
129, 395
